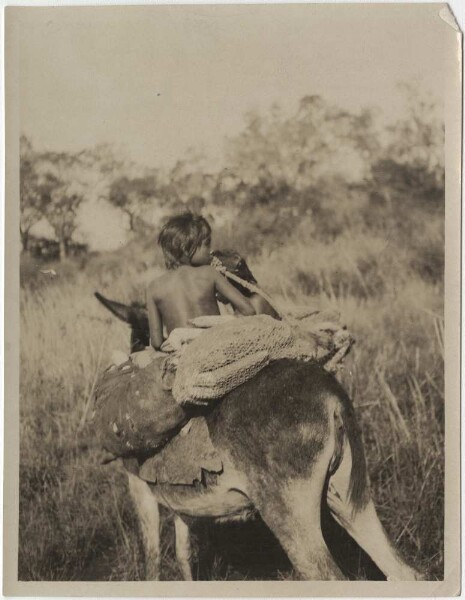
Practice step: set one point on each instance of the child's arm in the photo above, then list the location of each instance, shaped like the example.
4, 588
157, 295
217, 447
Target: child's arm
233, 295
263, 307
155, 322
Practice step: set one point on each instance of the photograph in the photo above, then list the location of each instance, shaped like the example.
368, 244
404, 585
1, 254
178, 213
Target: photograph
232, 300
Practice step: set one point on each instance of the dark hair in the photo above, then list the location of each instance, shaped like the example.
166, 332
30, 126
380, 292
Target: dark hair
235, 263
181, 236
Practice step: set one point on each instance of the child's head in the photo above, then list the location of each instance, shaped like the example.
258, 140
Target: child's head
185, 240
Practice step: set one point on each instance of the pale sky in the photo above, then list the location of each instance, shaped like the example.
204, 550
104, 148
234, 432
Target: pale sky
156, 80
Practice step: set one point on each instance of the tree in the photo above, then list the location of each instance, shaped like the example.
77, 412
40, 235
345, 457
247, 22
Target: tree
189, 185
407, 179
103, 165
134, 196
296, 151
32, 205
417, 139
54, 185
63, 188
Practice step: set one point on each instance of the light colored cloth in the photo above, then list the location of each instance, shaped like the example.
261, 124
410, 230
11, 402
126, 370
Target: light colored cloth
179, 338
174, 345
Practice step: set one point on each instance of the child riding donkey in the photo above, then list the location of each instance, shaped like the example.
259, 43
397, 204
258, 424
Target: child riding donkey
196, 354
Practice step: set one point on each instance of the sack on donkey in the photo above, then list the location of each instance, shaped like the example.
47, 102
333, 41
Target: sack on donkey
134, 413
233, 352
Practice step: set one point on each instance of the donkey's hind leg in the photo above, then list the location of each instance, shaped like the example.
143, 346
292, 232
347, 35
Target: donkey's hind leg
363, 524
148, 514
292, 510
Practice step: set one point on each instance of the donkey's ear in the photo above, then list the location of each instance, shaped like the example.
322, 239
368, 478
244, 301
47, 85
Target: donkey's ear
122, 311
138, 314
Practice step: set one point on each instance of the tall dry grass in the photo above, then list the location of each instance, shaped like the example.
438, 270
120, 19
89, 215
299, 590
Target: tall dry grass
76, 520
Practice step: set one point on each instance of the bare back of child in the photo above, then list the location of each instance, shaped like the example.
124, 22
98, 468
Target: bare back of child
189, 287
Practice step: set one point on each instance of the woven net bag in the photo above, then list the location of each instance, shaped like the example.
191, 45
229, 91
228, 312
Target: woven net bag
230, 354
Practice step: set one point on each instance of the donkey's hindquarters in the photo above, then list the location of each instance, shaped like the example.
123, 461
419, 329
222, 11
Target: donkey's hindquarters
288, 444
301, 434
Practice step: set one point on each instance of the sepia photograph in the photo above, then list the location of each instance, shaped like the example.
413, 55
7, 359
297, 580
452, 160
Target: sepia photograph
230, 354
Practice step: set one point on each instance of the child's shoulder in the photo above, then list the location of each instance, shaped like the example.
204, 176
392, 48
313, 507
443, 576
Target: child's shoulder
205, 271
196, 271
158, 282
180, 274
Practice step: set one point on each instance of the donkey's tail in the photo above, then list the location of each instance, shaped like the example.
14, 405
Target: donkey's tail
358, 484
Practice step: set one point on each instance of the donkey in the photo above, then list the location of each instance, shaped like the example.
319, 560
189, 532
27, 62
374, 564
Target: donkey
288, 441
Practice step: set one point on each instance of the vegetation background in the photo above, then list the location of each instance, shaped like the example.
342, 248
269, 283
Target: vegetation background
330, 207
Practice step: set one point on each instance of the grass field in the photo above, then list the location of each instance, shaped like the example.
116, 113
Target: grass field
76, 519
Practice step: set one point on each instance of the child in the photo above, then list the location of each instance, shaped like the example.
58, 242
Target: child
188, 289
